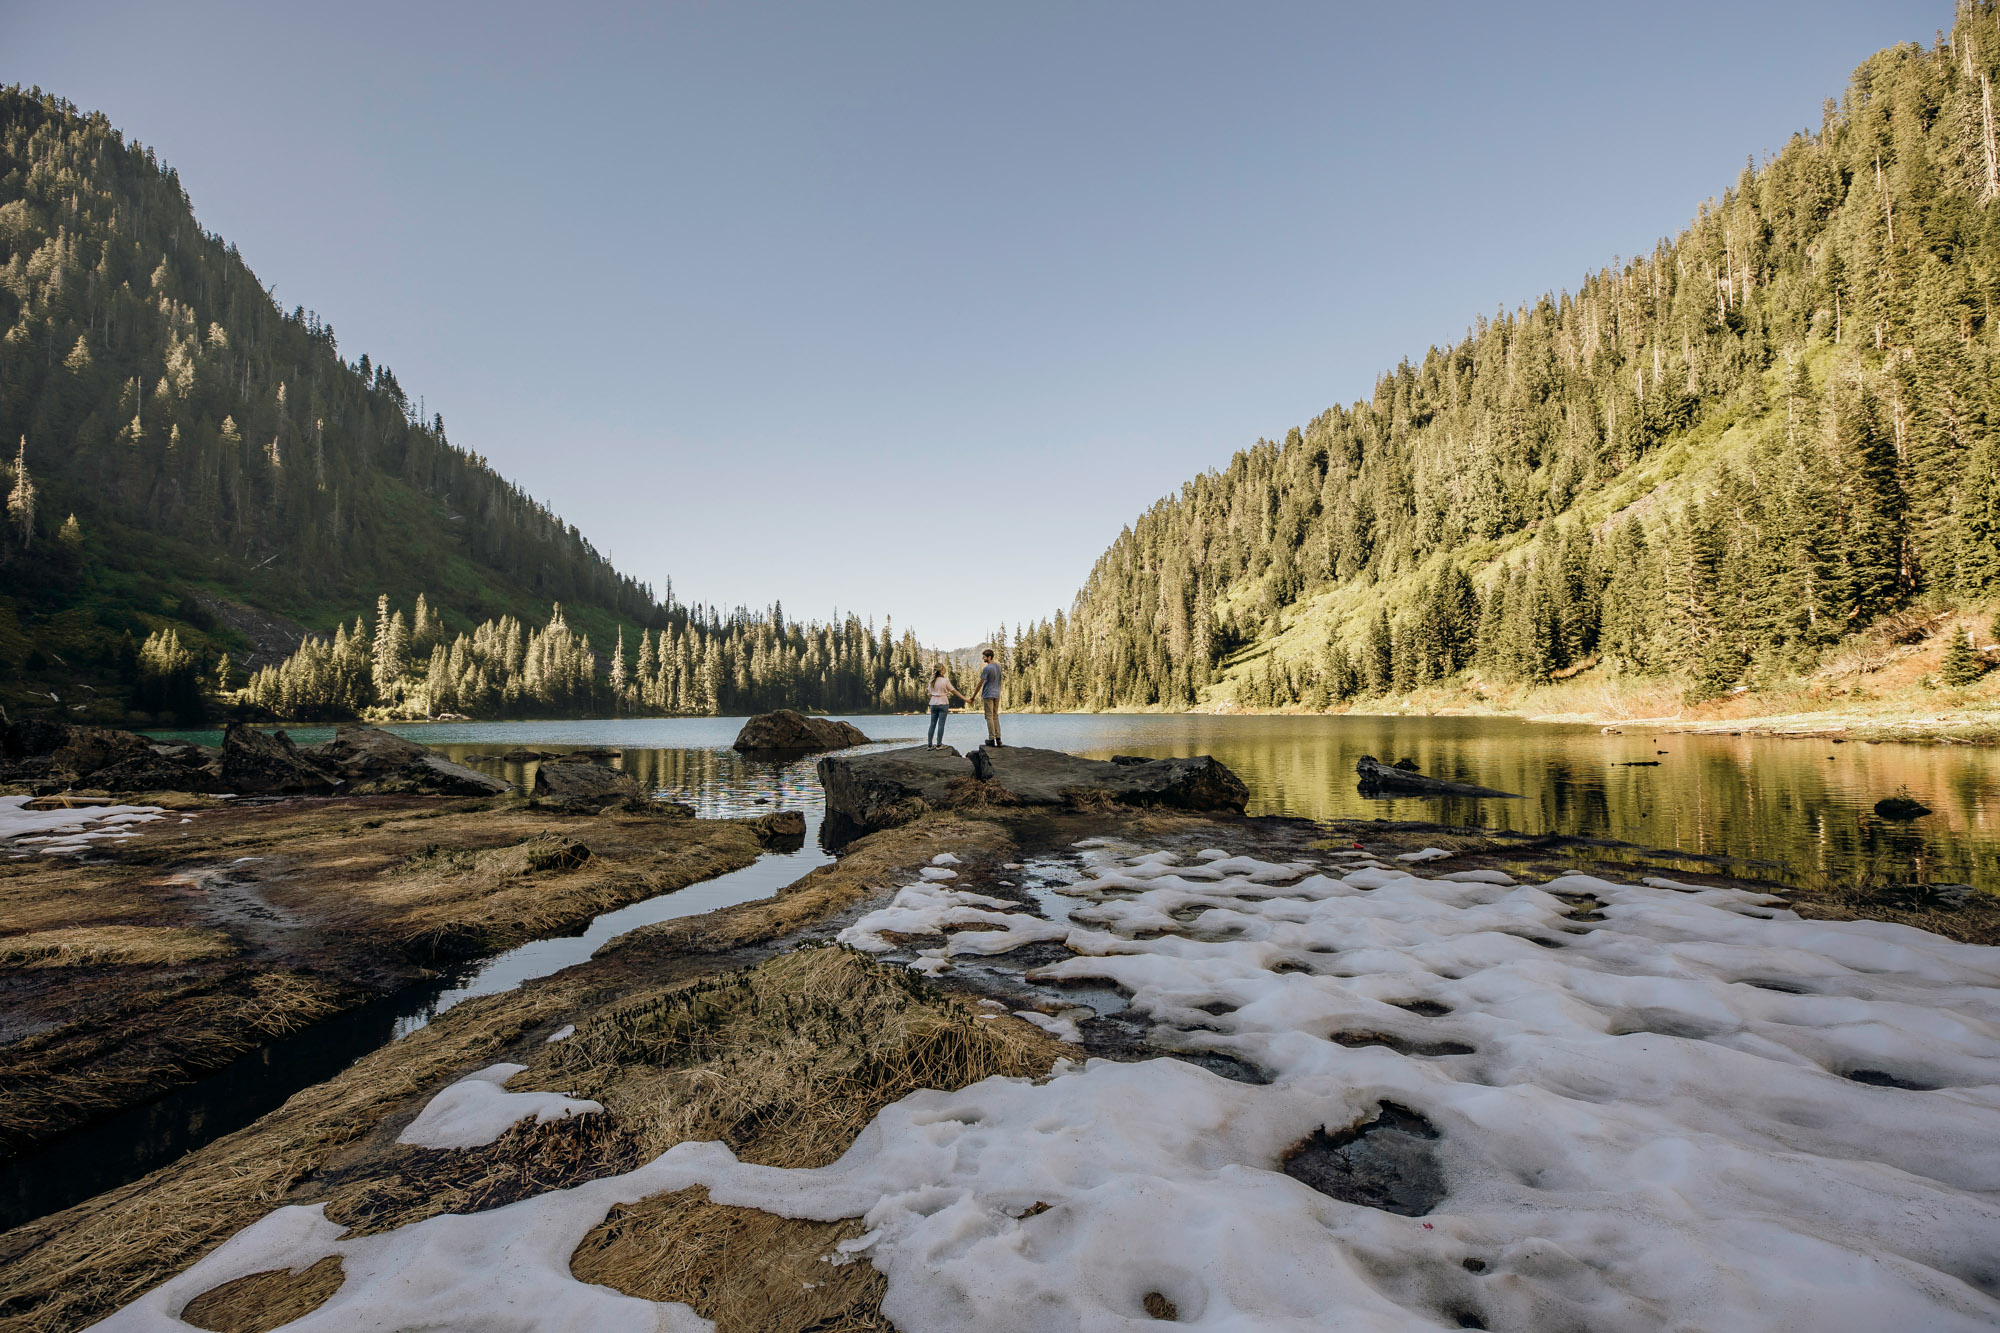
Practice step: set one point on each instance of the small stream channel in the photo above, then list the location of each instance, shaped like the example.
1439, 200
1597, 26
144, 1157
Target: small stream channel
116, 1151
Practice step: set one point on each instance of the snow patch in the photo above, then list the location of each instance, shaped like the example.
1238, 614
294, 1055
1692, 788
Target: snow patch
477, 1110
1427, 854
1674, 1117
69, 832
563, 1033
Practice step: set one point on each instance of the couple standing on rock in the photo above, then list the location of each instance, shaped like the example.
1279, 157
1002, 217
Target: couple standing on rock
943, 691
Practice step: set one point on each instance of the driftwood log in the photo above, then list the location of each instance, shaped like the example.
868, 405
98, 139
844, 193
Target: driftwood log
1378, 776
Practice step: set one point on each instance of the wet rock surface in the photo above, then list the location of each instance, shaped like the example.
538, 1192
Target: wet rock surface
786, 731
260, 763
582, 787
1403, 778
375, 762
1388, 1163
56, 756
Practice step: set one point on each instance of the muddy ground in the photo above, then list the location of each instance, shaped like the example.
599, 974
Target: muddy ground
740, 1025
135, 968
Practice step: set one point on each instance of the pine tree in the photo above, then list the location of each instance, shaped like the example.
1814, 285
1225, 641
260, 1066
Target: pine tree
1962, 665
21, 498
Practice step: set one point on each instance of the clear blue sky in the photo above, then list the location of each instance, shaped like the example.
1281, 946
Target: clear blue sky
908, 308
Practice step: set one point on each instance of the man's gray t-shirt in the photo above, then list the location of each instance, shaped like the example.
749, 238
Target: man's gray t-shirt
989, 681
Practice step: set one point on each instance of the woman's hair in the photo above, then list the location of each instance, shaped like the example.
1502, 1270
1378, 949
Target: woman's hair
937, 671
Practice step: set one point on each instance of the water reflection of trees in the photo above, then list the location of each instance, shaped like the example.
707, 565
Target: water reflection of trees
1785, 808
1803, 807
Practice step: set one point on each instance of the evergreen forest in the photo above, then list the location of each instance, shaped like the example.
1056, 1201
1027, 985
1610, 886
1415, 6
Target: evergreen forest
1707, 465
184, 458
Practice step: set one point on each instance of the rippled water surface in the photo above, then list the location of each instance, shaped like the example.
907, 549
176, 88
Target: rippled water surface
1794, 810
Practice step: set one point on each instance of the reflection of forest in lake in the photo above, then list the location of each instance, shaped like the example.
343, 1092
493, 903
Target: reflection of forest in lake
1802, 808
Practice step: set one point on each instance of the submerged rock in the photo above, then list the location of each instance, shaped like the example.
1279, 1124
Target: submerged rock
259, 763
1377, 776
793, 731
582, 787
373, 761
784, 829
1901, 807
867, 792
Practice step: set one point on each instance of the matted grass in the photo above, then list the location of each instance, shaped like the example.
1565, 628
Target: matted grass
265, 1301
111, 946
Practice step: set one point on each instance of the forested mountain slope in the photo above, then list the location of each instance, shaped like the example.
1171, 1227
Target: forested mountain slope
193, 473
1709, 463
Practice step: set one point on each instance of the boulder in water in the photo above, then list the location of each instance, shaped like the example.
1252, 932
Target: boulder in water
793, 732
374, 761
266, 763
1901, 806
582, 787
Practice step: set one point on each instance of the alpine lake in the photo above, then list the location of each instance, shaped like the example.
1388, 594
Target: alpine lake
1794, 812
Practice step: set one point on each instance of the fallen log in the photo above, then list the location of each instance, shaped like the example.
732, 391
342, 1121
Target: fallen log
1378, 776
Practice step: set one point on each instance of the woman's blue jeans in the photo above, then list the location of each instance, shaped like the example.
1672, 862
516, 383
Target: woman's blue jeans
939, 712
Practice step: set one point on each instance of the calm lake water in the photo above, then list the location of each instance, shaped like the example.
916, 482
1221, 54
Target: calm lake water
1795, 811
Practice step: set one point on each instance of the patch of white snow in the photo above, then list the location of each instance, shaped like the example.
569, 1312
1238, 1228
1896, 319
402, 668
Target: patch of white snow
477, 1110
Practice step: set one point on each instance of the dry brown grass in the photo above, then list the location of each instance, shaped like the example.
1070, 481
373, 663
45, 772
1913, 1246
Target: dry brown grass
113, 946
452, 902
787, 1061
161, 1035
265, 1301
748, 1271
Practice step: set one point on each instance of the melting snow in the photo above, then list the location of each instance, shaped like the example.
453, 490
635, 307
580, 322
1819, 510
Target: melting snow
1698, 1112
67, 832
477, 1110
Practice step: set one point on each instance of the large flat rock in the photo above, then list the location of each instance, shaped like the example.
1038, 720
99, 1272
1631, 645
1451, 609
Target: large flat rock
873, 791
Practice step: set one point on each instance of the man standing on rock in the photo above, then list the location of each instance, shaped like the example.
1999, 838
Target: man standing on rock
989, 696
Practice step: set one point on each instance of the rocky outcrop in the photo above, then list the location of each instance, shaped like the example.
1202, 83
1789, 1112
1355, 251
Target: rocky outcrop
266, 763
796, 733
581, 788
1396, 780
58, 756
867, 792
783, 830
375, 762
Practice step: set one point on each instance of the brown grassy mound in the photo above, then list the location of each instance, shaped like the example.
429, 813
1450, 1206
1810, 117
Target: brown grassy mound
264, 1301
748, 1271
785, 1062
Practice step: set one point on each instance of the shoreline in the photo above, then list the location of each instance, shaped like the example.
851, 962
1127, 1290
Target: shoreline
1961, 726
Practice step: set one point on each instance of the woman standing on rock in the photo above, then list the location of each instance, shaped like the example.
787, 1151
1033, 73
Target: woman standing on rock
942, 692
